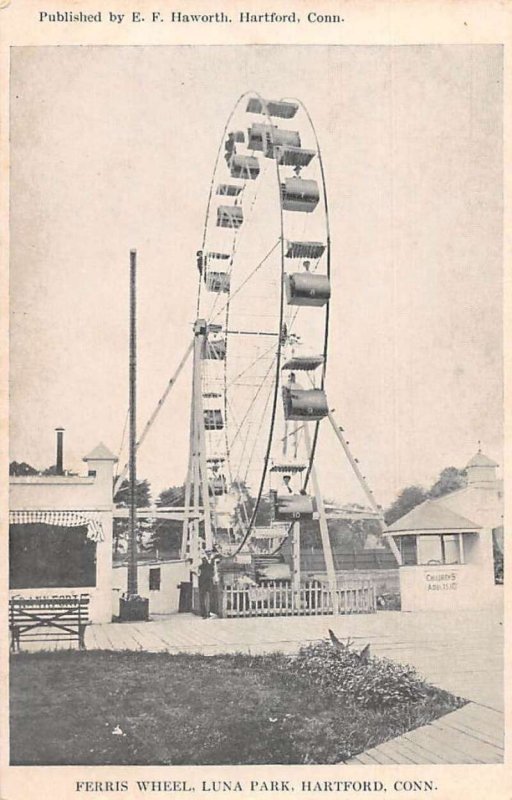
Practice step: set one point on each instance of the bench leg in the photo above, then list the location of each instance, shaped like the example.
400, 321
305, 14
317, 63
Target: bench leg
15, 640
81, 637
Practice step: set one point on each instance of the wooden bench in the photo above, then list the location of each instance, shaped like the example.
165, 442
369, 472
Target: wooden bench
52, 619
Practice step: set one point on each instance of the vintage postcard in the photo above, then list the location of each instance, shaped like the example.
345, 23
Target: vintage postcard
254, 288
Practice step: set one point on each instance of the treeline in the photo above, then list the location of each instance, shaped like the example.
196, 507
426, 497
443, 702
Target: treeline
450, 479
165, 535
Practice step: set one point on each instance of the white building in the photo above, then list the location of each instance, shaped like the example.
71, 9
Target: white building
446, 544
60, 542
61, 534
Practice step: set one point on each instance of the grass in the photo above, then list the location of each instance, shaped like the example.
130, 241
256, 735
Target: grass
193, 709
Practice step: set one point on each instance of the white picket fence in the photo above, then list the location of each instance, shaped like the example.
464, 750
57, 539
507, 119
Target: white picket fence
280, 599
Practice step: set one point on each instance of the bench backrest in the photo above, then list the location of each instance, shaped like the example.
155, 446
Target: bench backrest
63, 609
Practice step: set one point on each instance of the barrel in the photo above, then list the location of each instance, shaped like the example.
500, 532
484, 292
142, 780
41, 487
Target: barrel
290, 507
307, 289
298, 194
304, 404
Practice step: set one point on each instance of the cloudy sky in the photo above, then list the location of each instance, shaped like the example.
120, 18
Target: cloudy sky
113, 148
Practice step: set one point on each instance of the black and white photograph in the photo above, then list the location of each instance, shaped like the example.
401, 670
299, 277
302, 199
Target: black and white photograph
256, 413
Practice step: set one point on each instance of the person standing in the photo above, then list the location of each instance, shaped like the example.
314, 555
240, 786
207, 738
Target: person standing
207, 579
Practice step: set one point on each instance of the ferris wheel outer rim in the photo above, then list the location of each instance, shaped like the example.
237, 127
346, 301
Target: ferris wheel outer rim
252, 94
249, 94
314, 439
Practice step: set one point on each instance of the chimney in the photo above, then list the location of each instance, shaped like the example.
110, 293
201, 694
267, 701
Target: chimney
59, 464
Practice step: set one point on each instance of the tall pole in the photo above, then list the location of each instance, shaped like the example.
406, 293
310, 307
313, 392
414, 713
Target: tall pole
59, 463
132, 540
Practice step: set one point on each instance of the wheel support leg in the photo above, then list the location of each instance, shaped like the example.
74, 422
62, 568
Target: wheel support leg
366, 489
324, 530
200, 440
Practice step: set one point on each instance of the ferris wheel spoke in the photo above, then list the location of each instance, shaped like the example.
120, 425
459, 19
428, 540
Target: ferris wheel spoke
243, 451
252, 273
236, 480
251, 365
256, 438
237, 236
252, 333
253, 401
240, 231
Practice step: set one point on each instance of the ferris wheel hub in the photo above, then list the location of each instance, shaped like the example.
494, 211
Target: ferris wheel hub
200, 327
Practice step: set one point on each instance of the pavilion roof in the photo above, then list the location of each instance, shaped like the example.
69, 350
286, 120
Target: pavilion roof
432, 516
481, 460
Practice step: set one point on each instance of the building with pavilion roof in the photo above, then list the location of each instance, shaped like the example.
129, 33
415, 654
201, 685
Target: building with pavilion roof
447, 545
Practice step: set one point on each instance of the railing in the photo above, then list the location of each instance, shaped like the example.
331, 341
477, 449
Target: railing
280, 599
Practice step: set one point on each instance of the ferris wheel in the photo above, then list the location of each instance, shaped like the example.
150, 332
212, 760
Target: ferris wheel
260, 345
262, 330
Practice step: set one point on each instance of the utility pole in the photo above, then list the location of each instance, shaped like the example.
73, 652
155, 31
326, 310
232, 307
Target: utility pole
133, 607
132, 540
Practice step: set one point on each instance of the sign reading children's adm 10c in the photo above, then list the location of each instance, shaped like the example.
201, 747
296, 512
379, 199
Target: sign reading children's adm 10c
441, 581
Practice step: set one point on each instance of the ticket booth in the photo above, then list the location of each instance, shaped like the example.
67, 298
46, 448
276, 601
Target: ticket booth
447, 545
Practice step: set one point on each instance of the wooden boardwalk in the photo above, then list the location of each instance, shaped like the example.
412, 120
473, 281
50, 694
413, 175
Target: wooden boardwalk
473, 734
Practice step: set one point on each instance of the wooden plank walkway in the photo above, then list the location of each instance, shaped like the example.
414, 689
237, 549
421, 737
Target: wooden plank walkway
474, 734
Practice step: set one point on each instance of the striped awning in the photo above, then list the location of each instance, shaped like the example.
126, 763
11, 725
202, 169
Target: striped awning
64, 519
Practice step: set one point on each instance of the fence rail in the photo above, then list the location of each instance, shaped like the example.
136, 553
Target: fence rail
280, 599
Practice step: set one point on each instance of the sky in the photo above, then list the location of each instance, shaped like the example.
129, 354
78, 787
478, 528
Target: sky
113, 148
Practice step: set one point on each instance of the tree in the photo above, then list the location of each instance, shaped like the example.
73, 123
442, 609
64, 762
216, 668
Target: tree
50, 470
122, 500
409, 498
166, 537
142, 494
497, 551
19, 469
173, 496
450, 479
